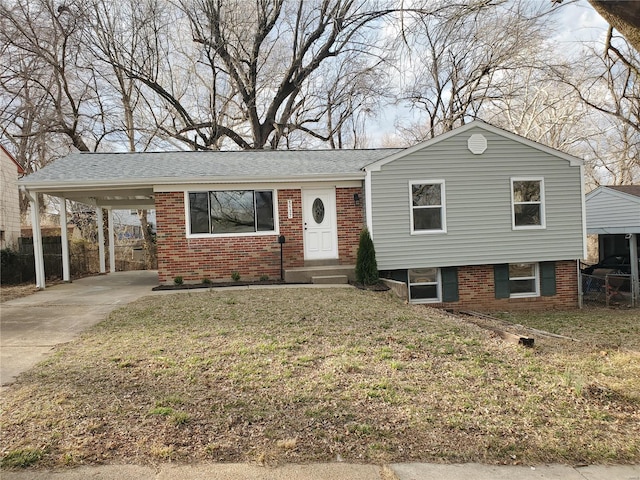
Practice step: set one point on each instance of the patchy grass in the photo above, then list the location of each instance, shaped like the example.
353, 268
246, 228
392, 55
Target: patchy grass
304, 375
604, 327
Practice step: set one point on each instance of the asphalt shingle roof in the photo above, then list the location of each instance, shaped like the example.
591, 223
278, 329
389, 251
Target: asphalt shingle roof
118, 167
628, 189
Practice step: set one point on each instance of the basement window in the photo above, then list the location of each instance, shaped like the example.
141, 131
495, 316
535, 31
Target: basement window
425, 285
524, 280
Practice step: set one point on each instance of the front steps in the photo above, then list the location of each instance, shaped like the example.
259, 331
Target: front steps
320, 274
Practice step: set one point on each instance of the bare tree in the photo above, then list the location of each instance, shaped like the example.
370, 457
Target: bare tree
623, 15
44, 41
608, 85
461, 62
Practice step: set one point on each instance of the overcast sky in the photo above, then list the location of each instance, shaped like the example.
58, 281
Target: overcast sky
577, 21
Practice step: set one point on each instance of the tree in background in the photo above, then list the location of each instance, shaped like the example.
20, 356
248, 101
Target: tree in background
456, 64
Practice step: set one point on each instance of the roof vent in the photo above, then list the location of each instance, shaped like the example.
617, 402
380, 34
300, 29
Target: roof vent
477, 144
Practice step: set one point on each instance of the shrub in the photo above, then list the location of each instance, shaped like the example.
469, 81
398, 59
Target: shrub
178, 280
366, 265
11, 266
235, 276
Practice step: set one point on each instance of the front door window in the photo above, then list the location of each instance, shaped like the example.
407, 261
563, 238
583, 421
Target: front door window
318, 210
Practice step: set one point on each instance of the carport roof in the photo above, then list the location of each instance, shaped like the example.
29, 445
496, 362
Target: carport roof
628, 189
127, 180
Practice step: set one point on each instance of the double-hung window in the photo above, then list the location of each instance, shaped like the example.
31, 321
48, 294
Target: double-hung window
231, 212
427, 206
527, 203
524, 280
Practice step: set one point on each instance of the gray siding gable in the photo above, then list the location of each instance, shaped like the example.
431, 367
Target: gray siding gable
610, 211
478, 203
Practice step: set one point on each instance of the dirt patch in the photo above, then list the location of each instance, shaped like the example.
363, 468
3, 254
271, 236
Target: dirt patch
10, 292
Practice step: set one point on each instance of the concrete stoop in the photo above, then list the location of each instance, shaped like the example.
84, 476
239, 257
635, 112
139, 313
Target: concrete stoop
320, 274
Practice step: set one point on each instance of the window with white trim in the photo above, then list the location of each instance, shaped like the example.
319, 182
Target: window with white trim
527, 203
231, 212
524, 280
427, 206
425, 285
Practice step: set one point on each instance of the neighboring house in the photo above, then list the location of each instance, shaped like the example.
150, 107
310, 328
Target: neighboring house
127, 224
10, 170
613, 213
477, 218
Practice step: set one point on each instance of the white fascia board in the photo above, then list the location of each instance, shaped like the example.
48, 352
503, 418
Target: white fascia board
613, 230
43, 186
81, 186
573, 161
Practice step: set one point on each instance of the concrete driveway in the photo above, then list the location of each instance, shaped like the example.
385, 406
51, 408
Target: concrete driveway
31, 326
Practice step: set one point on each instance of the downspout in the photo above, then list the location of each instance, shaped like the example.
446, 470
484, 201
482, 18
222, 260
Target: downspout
38, 254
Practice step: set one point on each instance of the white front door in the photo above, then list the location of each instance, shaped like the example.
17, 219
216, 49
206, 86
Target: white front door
320, 225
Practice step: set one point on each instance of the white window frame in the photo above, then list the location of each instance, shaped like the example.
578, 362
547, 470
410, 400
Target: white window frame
187, 216
543, 222
536, 277
438, 284
442, 206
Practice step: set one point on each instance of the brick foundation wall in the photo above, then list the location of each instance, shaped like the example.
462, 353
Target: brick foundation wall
477, 291
215, 258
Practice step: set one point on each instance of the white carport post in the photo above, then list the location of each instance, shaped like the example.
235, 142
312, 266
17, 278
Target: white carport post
38, 254
66, 271
112, 243
633, 254
100, 221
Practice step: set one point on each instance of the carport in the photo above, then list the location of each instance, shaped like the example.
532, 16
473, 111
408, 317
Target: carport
96, 186
613, 213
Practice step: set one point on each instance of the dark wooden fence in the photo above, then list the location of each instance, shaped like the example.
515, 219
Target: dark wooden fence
19, 266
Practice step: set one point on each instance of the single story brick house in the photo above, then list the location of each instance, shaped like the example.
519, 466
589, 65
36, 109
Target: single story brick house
475, 218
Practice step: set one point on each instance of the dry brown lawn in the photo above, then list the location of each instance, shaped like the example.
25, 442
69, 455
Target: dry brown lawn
306, 375
10, 292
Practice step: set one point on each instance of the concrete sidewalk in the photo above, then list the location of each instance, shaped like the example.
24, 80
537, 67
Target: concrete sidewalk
334, 471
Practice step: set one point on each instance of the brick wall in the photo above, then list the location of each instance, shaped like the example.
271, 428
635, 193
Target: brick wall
215, 258
477, 291
350, 222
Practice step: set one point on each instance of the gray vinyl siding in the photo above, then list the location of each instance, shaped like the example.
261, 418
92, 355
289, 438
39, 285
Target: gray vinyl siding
478, 206
607, 209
